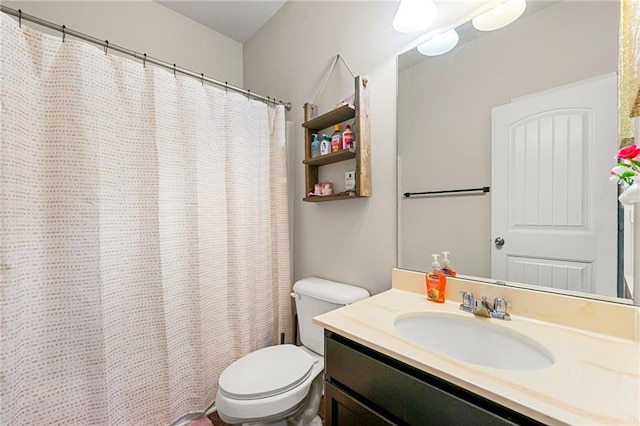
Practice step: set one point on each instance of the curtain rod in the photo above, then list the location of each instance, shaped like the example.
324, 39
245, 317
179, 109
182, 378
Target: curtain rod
105, 43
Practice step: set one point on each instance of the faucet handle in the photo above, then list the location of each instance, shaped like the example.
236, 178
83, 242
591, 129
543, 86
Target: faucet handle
501, 305
468, 300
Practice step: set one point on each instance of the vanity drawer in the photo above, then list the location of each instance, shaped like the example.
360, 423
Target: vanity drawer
346, 410
403, 394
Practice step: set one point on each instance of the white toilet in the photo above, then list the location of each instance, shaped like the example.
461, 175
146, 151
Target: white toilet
282, 384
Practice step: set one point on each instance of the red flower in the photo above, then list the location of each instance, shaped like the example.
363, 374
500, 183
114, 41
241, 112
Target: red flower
628, 153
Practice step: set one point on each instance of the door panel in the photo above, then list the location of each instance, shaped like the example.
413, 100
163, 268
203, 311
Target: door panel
565, 275
552, 202
546, 189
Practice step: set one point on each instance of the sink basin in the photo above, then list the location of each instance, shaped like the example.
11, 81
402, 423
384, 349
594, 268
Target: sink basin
474, 340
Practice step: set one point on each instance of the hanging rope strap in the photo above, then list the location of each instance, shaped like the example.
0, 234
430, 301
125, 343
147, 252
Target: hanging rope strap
326, 77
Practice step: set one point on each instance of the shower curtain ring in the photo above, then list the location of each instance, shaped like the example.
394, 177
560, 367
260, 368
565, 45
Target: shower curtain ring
248, 94
64, 32
226, 87
106, 47
202, 74
144, 61
174, 70
20, 18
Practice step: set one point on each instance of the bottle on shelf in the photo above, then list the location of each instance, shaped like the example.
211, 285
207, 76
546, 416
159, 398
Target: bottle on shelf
325, 145
347, 138
336, 139
315, 146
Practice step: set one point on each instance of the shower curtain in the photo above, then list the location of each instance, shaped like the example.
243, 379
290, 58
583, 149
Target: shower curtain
144, 235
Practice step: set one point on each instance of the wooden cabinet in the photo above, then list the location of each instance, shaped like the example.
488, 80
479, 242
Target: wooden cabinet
346, 410
366, 387
361, 153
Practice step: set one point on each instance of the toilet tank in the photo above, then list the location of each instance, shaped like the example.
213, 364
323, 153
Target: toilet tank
315, 296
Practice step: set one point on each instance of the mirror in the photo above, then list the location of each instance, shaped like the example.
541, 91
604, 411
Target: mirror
498, 100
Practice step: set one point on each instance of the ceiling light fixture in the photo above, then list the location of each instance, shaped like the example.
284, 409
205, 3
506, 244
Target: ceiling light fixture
414, 15
500, 16
439, 44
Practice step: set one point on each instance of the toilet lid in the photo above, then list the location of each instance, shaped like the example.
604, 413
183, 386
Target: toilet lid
266, 372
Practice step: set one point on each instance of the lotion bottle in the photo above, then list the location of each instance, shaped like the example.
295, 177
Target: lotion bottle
436, 281
315, 146
325, 145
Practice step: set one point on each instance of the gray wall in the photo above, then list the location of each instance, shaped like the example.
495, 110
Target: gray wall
145, 27
444, 120
355, 241
352, 241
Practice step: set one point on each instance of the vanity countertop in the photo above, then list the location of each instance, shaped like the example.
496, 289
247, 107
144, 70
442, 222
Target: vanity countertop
595, 378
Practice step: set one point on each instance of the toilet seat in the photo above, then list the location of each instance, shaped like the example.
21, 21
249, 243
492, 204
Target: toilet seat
266, 372
248, 406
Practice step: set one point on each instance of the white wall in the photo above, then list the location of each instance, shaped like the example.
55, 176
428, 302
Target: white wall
352, 241
145, 27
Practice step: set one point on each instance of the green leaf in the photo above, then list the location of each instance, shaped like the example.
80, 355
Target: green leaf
627, 174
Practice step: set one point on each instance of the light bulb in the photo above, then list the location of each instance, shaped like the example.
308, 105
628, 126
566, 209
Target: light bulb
500, 16
414, 15
439, 44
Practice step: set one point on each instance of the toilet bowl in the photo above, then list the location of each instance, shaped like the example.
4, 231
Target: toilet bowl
267, 385
283, 383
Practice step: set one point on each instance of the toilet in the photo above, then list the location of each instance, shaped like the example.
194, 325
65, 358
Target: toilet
283, 384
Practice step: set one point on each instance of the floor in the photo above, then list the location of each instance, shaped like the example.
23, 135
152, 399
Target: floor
217, 422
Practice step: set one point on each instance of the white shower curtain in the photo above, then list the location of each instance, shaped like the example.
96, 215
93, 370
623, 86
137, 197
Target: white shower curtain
144, 235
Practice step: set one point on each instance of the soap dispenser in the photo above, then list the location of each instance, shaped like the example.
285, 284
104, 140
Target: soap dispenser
315, 146
436, 281
447, 269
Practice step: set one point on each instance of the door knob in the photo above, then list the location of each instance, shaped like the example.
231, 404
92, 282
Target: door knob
499, 242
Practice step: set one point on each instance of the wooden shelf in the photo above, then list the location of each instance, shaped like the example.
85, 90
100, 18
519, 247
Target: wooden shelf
336, 116
332, 157
361, 152
318, 199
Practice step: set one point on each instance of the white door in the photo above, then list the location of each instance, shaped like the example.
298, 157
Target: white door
552, 202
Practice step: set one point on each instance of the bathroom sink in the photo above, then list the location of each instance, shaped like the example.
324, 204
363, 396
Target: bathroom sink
474, 340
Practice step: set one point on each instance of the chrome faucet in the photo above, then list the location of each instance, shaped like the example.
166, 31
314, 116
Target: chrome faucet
483, 308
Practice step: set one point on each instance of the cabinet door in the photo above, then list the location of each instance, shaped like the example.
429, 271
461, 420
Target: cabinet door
406, 395
343, 410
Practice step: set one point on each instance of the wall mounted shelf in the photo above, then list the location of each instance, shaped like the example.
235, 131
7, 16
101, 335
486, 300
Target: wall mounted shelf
338, 115
332, 157
359, 112
341, 196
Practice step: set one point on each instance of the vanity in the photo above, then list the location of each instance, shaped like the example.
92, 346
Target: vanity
391, 392
374, 374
